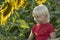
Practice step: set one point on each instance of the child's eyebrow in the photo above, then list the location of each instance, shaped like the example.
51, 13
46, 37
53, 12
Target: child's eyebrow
36, 16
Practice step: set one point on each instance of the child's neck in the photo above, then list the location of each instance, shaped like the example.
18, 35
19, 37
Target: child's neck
43, 22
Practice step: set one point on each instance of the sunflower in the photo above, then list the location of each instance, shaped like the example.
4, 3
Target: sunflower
6, 12
39, 2
23, 4
20, 3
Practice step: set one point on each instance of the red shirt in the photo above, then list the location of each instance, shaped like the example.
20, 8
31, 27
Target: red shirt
42, 31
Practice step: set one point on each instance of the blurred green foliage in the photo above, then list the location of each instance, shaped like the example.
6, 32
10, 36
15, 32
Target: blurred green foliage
19, 24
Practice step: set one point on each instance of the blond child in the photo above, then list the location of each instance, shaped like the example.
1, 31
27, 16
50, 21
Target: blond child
43, 30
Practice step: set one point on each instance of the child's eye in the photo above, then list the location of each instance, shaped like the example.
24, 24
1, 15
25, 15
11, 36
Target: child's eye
38, 17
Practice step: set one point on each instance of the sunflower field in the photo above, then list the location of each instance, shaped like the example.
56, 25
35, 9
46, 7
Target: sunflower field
16, 18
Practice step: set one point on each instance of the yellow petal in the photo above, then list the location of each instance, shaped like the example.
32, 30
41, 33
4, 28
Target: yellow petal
17, 4
40, 1
24, 4
20, 3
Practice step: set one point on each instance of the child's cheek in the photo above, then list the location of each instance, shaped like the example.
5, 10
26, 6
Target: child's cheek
40, 19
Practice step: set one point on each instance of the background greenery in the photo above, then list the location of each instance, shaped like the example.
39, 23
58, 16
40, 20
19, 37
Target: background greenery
19, 24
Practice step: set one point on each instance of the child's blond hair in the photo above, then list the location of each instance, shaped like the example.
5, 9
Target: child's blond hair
41, 10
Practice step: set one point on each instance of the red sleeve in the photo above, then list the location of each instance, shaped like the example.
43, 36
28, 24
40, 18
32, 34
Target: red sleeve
33, 28
51, 28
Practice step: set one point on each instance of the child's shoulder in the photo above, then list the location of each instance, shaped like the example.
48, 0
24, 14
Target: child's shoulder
50, 24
